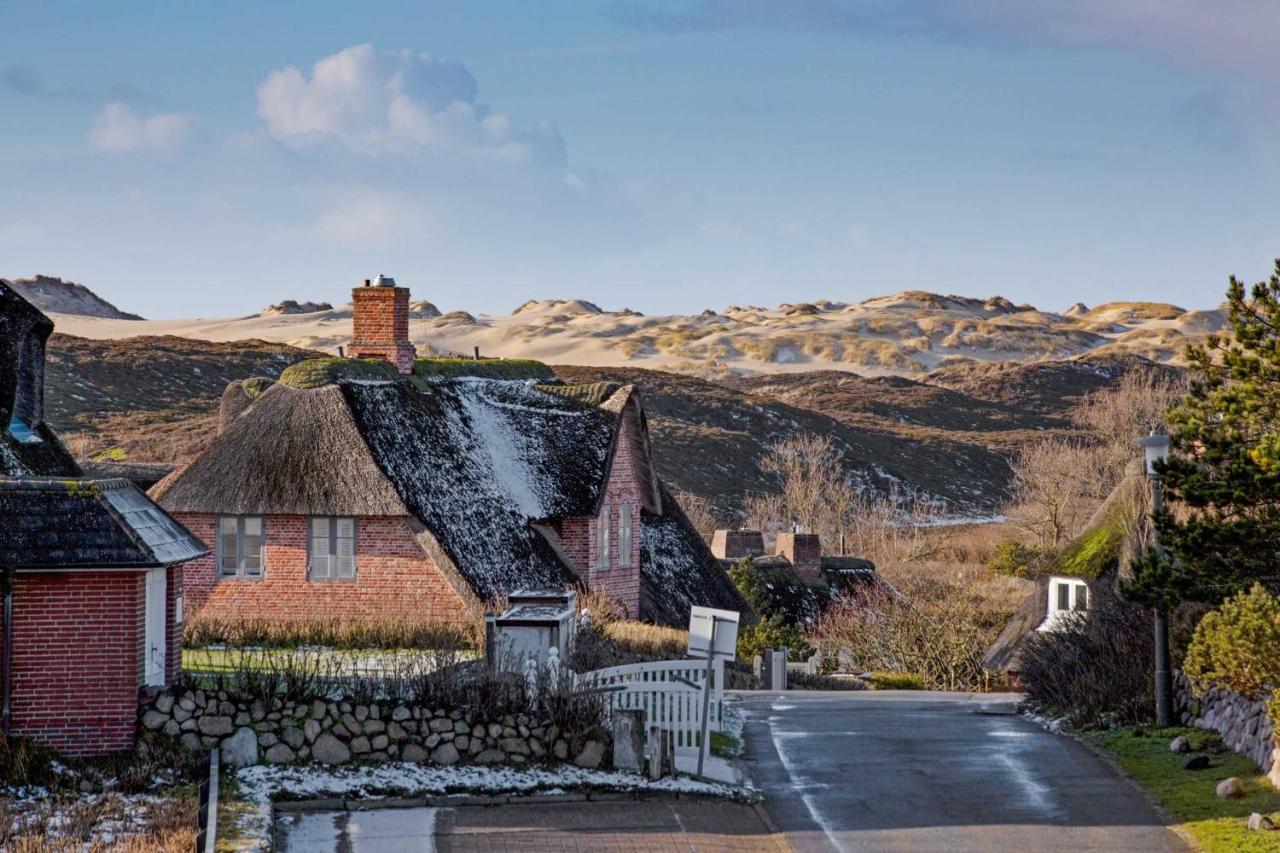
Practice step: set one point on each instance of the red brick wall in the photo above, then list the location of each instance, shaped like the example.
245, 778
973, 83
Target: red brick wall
394, 578
77, 658
380, 326
621, 490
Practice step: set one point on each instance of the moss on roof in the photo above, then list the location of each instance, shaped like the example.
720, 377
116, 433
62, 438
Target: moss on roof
318, 372
255, 385
1097, 548
484, 368
591, 393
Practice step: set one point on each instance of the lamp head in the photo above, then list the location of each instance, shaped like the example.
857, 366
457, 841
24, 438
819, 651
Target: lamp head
1155, 448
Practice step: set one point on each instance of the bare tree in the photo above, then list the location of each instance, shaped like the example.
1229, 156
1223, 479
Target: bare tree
1055, 487
1117, 416
705, 516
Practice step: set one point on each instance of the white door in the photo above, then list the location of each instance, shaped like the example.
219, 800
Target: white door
154, 648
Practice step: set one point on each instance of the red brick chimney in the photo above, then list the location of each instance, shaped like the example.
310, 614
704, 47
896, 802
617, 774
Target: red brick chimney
736, 544
803, 551
380, 323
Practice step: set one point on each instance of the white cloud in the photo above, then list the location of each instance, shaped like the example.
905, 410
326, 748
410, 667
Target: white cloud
119, 128
376, 102
371, 220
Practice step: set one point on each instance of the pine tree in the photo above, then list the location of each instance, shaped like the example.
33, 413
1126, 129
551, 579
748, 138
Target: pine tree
1220, 531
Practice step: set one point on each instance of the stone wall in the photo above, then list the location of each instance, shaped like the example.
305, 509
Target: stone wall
1243, 723
336, 732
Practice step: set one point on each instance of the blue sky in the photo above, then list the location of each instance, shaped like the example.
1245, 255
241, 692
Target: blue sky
208, 159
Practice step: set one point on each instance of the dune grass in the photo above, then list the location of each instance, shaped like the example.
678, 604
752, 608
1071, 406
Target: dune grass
1216, 825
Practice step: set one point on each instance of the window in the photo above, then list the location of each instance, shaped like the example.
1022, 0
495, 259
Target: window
1067, 595
602, 537
624, 536
240, 542
332, 549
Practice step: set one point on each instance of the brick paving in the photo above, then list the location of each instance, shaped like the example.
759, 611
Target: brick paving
655, 826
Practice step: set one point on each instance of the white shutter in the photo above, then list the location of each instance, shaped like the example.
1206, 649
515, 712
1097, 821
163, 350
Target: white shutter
321, 561
602, 554
346, 546
624, 536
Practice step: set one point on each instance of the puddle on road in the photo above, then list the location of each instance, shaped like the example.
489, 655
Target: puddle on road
382, 830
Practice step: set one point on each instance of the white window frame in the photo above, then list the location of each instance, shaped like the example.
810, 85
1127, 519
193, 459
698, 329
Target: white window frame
603, 537
331, 567
1077, 590
241, 571
626, 520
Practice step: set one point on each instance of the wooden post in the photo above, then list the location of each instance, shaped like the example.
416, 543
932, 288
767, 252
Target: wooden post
207, 831
704, 746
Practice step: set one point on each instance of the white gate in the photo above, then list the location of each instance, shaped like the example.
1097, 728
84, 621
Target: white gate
154, 639
669, 692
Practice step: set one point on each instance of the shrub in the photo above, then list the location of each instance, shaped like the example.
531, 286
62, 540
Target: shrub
408, 631
1095, 667
894, 681
1238, 645
770, 632
936, 632
1016, 560
24, 762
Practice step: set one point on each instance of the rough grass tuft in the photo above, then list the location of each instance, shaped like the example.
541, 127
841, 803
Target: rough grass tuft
485, 368
318, 372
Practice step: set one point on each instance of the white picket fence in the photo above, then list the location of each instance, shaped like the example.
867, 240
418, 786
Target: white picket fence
669, 692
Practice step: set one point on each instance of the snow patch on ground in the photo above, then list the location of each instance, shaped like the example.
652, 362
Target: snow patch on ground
264, 783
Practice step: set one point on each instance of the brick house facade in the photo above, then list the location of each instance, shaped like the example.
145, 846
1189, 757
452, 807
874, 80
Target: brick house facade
90, 572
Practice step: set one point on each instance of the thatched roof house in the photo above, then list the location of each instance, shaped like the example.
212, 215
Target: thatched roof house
500, 483
1086, 572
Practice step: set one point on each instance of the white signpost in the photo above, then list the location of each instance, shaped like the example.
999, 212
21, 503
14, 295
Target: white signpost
713, 634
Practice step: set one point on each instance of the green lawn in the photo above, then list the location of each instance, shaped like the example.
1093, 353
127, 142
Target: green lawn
1217, 826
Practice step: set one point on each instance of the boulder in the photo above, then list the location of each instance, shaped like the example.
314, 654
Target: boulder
591, 755
432, 741
491, 756
191, 742
215, 726
413, 752
396, 732
280, 754
400, 713
1196, 762
172, 729
181, 714
154, 720
360, 745
374, 727
441, 725
164, 703
311, 730
1180, 745
329, 750
318, 709
1230, 788
362, 713
461, 743
293, 736
380, 741
445, 754
241, 749
514, 746
266, 740
1260, 823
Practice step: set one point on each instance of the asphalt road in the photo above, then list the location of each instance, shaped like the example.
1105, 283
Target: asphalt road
935, 771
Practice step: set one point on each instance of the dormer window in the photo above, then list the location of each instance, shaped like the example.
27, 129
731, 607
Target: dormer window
1066, 595
27, 399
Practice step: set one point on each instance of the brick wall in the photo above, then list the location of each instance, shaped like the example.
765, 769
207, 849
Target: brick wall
622, 489
380, 326
394, 578
77, 658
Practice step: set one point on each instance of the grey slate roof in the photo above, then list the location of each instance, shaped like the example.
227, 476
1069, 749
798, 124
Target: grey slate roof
87, 524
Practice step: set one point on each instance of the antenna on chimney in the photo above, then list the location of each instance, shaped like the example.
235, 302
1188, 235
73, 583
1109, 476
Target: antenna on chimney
477, 350
341, 354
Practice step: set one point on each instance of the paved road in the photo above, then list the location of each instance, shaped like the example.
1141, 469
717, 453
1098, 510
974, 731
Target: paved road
935, 772
651, 826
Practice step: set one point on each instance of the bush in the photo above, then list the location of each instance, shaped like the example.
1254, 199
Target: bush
771, 632
1238, 645
894, 681
1016, 560
937, 633
24, 762
1096, 667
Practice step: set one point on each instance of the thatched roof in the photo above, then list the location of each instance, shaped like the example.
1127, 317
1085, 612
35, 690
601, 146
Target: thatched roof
292, 452
87, 524
482, 468
1115, 535
23, 332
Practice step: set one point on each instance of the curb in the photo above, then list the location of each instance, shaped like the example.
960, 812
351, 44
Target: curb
1171, 820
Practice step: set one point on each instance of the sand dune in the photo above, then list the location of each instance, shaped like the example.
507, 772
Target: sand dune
899, 334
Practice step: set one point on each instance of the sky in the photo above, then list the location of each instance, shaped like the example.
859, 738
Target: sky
209, 159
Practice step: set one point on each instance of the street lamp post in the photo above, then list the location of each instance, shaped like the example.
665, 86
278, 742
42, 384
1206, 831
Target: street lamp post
1155, 448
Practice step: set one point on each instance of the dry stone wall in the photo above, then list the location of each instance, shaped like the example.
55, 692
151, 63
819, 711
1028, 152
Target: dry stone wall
1243, 723
336, 732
